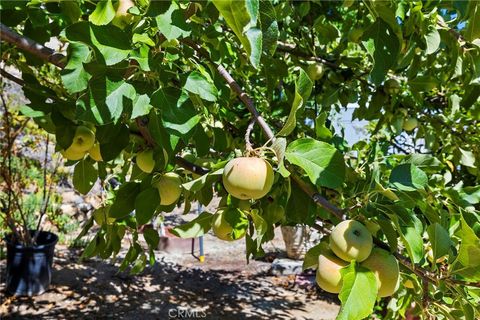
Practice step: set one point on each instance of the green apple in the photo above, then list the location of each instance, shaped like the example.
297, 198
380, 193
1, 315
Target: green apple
391, 86
71, 154
222, 229
248, 178
385, 267
328, 275
145, 161
410, 123
94, 152
169, 187
351, 240
82, 141
315, 71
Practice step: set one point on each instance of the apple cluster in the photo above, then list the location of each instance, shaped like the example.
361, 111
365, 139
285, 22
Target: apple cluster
83, 143
169, 184
350, 240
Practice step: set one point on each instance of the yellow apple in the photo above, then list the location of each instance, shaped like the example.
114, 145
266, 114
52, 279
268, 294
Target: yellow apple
222, 229
169, 187
328, 275
351, 240
70, 154
410, 123
145, 161
248, 178
94, 152
385, 267
122, 17
83, 140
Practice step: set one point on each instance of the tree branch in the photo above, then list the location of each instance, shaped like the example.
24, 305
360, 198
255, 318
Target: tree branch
30, 46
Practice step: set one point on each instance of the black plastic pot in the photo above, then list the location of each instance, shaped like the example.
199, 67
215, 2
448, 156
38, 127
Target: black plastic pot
29, 269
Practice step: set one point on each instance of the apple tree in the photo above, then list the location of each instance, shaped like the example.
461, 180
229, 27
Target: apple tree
181, 101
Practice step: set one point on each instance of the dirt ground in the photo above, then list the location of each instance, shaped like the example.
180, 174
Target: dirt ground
178, 286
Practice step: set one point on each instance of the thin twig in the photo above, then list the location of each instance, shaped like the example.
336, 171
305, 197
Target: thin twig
248, 144
292, 49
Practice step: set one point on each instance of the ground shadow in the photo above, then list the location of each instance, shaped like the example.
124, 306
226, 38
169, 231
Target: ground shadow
95, 290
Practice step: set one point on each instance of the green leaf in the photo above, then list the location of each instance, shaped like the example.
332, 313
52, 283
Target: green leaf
465, 157
124, 202
260, 224
151, 237
269, 26
178, 116
111, 43
242, 17
383, 45
440, 240
303, 89
321, 131
280, 146
146, 203
408, 177
358, 293
423, 161
172, 24
432, 39
103, 14
472, 31
84, 176
116, 94
311, 257
74, 77
141, 106
323, 163
195, 228
410, 236
198, 84
467, 263
237, 220
207, 179
423, 83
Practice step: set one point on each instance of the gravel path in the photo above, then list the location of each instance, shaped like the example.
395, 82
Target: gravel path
176, 287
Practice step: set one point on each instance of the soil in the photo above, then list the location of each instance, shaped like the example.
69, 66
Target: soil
177, 286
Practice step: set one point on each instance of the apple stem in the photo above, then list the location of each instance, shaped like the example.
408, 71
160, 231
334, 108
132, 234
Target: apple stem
248, 144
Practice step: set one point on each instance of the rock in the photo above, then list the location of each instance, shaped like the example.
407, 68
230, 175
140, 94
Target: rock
72, 197
68, 209
284, 267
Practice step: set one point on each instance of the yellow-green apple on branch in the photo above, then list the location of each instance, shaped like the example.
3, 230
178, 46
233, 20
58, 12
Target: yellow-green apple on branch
248, 177
222, 229
385, 267
145, 161
351, 240
169, 187
328, 275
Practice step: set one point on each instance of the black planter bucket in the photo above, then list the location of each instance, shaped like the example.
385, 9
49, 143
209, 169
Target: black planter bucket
29, 269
